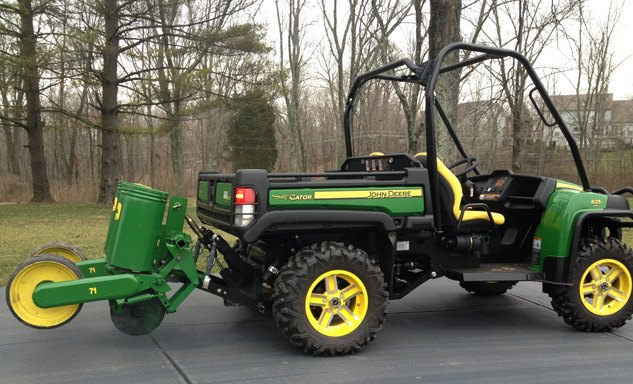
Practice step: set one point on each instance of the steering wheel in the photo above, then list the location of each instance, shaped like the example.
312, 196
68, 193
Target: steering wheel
471, 165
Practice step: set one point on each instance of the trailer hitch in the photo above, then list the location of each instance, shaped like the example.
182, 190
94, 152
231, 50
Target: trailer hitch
214, 242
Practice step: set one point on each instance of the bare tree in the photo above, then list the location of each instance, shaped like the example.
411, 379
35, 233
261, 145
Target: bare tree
351, 47
172, 66
65, 102
594, 59
25, 33
111, 12
444, 28
12, 99
291, 28
337, 38
527, 27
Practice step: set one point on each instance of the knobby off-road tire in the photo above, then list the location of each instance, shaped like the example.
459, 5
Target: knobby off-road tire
599, 298
330, 299
483, 288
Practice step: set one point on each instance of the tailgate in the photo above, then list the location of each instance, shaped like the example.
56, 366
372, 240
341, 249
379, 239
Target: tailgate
214, 198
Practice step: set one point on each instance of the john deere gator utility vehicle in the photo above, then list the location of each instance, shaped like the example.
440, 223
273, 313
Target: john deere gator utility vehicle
325, 252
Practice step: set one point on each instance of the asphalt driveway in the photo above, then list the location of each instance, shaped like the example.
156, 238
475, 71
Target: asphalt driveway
438, 334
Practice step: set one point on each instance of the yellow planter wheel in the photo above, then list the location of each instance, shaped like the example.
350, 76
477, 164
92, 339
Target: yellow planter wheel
599, 298
24, 280
330, 299
65, 250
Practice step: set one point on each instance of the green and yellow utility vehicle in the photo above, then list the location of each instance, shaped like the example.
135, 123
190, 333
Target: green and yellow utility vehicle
325, 252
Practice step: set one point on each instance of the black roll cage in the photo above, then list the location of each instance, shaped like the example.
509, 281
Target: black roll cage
426, 74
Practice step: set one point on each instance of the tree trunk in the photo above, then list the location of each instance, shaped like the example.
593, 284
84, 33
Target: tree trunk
292, 88
11, 141
34, 125
411, 106
93, 150
443, 30
109, 118
73, 166
175, 138
517, 137
152, 153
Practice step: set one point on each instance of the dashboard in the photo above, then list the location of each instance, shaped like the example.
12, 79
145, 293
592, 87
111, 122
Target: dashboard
505, 189
494, 188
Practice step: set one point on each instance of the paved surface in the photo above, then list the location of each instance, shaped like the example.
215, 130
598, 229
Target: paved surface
438, 334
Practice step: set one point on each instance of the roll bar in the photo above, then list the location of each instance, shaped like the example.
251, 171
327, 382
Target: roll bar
426, 74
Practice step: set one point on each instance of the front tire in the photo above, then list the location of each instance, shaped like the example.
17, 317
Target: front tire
330, 299
599, 298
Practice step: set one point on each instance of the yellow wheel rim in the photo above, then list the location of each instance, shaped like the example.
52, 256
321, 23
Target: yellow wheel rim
60, 251
605, 287
21, 294
336, 303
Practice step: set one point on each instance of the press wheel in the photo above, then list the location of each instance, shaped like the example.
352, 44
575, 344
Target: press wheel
22, 284
65, 250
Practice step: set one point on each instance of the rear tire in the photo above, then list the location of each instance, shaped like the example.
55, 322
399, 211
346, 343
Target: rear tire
330, 299
483, 288
599, 298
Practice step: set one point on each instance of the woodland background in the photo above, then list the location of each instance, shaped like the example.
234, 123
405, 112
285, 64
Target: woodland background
154, 91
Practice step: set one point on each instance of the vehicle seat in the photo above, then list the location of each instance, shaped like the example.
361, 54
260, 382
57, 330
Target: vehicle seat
451, 198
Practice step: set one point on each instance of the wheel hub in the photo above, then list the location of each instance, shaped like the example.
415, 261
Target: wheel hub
335, 302
604, 287
138, 311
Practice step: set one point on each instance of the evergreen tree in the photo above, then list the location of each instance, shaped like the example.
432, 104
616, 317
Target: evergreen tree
252, 139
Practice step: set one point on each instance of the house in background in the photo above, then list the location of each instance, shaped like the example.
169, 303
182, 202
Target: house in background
622, 124
595, 121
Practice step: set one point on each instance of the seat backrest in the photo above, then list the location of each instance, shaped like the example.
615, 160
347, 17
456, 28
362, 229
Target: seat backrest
451, 192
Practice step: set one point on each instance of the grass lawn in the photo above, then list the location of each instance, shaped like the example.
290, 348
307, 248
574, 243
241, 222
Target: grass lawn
27, 226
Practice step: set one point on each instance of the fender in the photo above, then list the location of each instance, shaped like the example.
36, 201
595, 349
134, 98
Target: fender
588, 216
293, 220
559, 269
312, 219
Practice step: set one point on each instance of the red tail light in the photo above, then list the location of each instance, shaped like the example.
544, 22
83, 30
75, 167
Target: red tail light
244, 196
244, 200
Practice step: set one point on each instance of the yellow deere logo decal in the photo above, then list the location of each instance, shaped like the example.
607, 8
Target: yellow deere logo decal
596, 202
369, 194
116, 208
